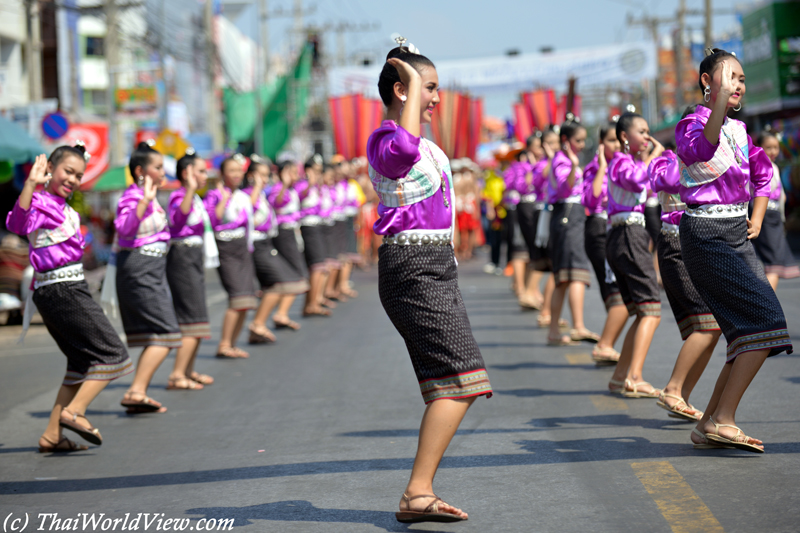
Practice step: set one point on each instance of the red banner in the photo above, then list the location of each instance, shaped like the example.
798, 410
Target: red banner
456, 124
354, 118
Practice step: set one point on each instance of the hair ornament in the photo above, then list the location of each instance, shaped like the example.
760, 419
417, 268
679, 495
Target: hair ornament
556, 129
401, 43
255, 158
190, 151
317, 159
81, 146
709, 52
630, 108
150, 142
615, 119
239, 158
779, 136
538, 134
79, 142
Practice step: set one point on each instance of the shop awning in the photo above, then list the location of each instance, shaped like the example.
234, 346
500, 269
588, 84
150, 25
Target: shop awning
15, 143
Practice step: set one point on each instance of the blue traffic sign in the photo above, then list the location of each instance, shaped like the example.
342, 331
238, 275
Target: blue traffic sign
55, 125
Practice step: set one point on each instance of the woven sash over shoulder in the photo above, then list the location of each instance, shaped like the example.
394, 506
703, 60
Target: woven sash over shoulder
154, 223
623, 196
42, 238
724, 158
421, 182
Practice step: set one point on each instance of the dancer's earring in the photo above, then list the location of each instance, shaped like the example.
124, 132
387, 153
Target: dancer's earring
47, 183
403, 99
707, 93
627, 146
738, 107
140, 180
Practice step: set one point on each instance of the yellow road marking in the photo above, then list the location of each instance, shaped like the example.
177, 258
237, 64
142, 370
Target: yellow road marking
681, 506
579, 358
608, 403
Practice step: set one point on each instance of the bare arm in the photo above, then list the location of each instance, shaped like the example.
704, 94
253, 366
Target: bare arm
150, 190
36, 177
191, 187
757, 218
720, 109
409, 118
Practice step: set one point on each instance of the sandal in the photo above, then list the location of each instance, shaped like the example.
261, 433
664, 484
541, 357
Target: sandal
605, 356
350, 293
616, 387
739, 441
705, 444
634, 392
70, 422
680, 410
430, 514
183, 383
543, 321
529, 305
56, 447
145, 405
202, 379
561, 341
319, 311
260, 335
328, 303
584, 335
291, 324
229, 352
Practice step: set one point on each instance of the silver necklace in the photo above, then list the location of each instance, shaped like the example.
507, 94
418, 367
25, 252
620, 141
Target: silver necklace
432, 159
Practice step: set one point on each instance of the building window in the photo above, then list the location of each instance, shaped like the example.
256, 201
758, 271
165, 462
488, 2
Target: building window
95, 99
94, 47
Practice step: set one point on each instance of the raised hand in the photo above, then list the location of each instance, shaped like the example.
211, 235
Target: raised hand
601, 156
548, 152
38, 175
727, 87
150, 189
407, 72
191, 181
571, 155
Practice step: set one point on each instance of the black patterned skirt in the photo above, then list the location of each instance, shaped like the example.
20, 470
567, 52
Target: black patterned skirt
773, 248
340, 239
331, 247
187, 282
628, 255
515, 239
566, 244
594, 242
526, 220
286, 244
729, 277
314, 249
690, 311
540, 257
273, 271
418, 287
652, 221
145, 301
236, 273
83, 333
351, 242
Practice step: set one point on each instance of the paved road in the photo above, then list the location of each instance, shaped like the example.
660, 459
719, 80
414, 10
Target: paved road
317, 433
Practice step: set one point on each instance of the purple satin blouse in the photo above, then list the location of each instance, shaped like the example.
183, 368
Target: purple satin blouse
392, 152
262, 202
288, 209
735, 184
46, 212
630, 176
664, 174
309, 199
213, 197
559, 173
180, 225
596, 205
127, 223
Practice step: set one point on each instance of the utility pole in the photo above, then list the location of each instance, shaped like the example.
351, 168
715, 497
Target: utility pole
708, 38
33, 46
679, 48
262, 58
212, 104
346, 27
263, 17
112, 64
652, 24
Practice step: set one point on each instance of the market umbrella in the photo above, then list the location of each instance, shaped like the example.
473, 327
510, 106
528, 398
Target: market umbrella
113, 179
15, 144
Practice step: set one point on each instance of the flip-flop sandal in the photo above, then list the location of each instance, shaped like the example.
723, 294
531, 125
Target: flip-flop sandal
71, 446
605, 356
585, 335
287, 325
739, 441
230, 352
679, 410
90, 434
145, 405
202, 379
350, 293
260, 336
618, 386
430, 514
189, 384
319, 312
328, 303
561, 341
706, 445
635, 393
543, 321
528, 305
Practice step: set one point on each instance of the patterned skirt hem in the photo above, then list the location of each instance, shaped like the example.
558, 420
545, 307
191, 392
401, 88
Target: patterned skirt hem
644, 309
614, 300
568, 275
320, 267
169, 340
290, 287
691, 324
784, 272
99, 373
466, 385
198, 330
521, 256
775, 341
242, 303
333, 264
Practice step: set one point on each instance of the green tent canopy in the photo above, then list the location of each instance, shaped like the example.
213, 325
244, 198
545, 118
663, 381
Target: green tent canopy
113, 179
15, 143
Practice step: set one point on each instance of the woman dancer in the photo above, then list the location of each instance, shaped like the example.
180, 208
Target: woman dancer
418, 280
699, 330
286, 202
231, 213
530, 204
186, 262
327, 192
719, 161
518, 254
595, 200
352, 200
95, 354
145, 303
628, 253
313, 240
771, 245
540, 256
570, 264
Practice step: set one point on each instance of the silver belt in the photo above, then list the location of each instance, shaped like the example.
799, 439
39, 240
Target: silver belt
154, 249
627, 218
227, 235
528, 199
59, 275
193, 241
339, 217
774, 205
718, 210
602, 214
288, 225
311, 220
652, 201
418, 239
263, 235
570, 200
670, 229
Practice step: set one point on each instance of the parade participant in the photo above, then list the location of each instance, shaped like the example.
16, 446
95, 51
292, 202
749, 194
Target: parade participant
771, 245
467, 213
628, 252
327, 191
570, 264
314, 247
595, 200
719, 166
338, 192
280, 284
186, 264
286, 203
145, 303
95, 355
540, 255
518, 255
699, 331
231, 214
530, 204
418, 279
353, 197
